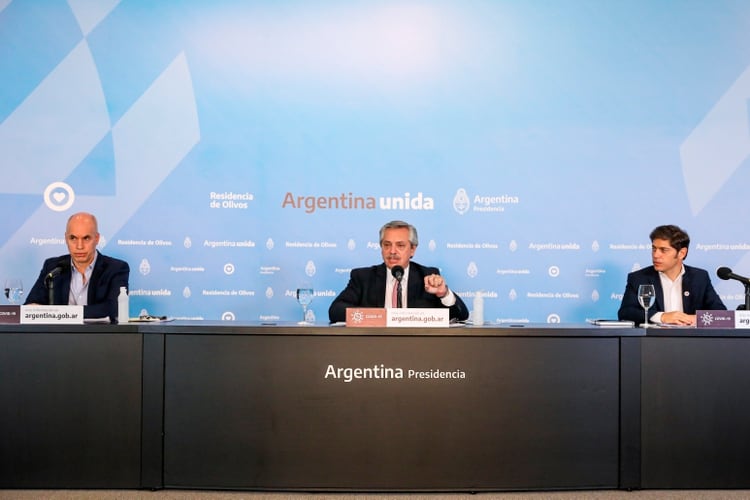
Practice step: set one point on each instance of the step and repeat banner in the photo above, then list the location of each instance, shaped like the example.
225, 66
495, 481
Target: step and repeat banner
234, 150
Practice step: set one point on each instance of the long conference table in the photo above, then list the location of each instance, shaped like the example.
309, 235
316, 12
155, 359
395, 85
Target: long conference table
206, 405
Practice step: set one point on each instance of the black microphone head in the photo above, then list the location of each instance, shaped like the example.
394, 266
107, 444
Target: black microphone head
724, 273
397, 272
63, 264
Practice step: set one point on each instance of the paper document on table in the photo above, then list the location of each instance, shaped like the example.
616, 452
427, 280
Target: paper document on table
619, 323
91, 321
150, 319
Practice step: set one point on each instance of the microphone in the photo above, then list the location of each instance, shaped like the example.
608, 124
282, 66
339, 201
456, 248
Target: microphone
726, 274
62, 266
398, 273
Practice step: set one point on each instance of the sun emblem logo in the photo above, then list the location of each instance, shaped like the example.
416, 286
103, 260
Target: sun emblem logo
707, 318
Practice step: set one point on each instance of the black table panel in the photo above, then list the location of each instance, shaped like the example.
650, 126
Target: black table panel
258, 411
70, 412
695, 401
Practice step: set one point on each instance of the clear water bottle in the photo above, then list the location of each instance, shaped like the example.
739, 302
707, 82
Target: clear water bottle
123, 306
477, 315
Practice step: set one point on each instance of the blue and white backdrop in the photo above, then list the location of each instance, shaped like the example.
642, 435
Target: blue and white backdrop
234, 149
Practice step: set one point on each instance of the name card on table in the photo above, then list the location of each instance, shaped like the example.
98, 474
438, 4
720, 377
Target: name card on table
10, 314
395, 317
52, 315
714, 319
742, 319
419, 317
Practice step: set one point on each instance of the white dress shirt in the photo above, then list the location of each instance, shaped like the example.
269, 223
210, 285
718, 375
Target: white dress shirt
672, 291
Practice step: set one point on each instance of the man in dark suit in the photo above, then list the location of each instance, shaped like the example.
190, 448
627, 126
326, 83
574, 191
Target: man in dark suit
84, 276
375, 286
680, 290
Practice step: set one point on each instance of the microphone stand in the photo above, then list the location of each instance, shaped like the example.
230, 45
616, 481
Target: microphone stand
50, 282
746, 307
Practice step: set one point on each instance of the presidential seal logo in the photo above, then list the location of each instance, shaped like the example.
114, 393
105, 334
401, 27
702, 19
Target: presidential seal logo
461, 201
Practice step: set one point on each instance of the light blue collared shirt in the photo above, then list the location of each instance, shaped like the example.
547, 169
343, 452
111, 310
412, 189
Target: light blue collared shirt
79, 283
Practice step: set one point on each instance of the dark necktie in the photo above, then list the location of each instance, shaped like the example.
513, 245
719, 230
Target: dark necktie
396, 300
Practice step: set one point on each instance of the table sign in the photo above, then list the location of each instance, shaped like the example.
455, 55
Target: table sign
742, 319
10, 314
52, 315
397, 317
418, 317
714, 319
365, 316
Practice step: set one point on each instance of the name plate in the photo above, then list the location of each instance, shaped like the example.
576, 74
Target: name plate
52, 315
742, 319
365, 316
397, 317
10, 314
419, 317
715, 319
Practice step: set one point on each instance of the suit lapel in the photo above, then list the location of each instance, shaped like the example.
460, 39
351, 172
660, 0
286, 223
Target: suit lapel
62, 293
377, 291
415, 282
95, 274
687, 299
656, 281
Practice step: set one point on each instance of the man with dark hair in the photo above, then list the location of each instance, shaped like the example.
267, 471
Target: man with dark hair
375, 286
680, 290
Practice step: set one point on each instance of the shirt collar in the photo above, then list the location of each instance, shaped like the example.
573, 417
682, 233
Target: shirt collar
404, 278
679, 276
90, 268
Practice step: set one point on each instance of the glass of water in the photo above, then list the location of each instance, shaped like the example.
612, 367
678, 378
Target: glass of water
13, 290
304, 297
646, 296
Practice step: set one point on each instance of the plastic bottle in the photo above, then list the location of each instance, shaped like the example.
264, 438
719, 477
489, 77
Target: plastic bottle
123, 306
477, 315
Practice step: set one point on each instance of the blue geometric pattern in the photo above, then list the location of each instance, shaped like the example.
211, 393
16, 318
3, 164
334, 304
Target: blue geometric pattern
233, 149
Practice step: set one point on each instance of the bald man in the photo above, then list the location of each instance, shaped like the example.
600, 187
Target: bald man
83, 276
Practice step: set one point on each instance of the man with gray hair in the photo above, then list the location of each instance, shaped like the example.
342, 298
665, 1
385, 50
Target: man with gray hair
397, 282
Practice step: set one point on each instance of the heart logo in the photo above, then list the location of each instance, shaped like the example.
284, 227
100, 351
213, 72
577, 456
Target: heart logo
59, 196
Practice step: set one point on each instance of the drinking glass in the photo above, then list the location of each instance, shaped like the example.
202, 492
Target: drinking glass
304, 297
646, 295
13, 290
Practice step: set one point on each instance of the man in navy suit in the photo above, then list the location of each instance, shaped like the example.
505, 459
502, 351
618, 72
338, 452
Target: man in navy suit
680, 290
375, 286
84, 276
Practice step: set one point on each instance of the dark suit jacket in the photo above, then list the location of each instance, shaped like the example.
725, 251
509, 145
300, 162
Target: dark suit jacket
366, 288
108, 276
697, 293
